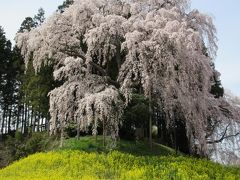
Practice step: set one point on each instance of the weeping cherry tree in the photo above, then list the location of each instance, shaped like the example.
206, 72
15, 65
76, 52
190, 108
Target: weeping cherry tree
103, 51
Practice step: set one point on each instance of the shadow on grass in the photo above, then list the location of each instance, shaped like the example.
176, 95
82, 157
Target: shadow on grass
137, 148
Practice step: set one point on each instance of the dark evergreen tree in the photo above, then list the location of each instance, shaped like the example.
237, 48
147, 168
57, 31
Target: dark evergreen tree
35, 87
39, 17
27, 24
5, 83
23, 94
65, 5
9, 85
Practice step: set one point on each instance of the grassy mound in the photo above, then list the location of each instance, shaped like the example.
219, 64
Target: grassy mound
139, 148
73, 164
87, 159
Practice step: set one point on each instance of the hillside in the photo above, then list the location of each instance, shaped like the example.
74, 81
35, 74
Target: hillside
137, 148
80, 160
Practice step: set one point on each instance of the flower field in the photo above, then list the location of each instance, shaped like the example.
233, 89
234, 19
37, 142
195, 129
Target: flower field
74, 164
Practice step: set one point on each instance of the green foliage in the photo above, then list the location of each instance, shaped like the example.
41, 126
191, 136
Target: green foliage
136, 115
39, 17
36, 87
18, 136
65, 5
14, 148
7, 74
27, 24
70, 164
94, 144
36, 143
9, 83
19, 146
217, 89
70, 130
30, 23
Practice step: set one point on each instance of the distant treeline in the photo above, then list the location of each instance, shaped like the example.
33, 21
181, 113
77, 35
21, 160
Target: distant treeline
24, 101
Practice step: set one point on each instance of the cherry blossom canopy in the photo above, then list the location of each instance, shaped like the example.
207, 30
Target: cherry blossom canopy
103, 50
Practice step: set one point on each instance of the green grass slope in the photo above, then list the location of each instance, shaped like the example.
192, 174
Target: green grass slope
139, 148
85, 159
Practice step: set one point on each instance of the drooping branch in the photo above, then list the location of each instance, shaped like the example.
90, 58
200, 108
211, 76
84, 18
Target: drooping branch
74, 54
224, 136
221, 139
99, 68
226, 111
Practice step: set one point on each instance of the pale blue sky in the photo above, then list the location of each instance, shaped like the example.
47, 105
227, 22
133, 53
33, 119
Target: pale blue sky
13, 12
226, 15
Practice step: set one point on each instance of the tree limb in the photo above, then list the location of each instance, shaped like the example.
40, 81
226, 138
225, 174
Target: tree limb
223, 136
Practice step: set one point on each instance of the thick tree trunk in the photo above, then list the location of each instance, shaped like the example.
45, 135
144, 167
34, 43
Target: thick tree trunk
42, 123
104, 135
18, 117
175, 138
9, 119
28, 119
96, 138
3, 121
118, 54
47, 124
62, 136
150, 118
78, 129
0, 129
38, 124
33, 122
25, 118
22, 119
